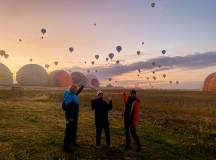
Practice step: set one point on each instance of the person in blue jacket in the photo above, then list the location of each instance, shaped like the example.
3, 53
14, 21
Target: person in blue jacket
71, 107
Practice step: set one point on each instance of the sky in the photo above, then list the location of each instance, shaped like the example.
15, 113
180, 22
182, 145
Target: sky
181, 27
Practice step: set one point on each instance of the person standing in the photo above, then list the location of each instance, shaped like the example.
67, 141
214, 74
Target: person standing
101, 109
71, 107
131, 118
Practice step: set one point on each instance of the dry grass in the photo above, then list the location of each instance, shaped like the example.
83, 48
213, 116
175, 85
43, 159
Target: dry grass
173, 125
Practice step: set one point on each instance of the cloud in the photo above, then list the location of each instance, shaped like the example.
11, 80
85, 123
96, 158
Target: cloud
193, 61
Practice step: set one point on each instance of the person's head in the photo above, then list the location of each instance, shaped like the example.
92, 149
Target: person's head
133, 93
99, 94
73, 88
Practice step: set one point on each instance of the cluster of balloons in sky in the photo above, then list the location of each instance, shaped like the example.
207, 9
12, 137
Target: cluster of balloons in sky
109, 57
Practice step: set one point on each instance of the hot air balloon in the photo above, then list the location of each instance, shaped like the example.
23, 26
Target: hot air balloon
117, 62
43, 31
92, 62
177, 82
138, 52
30, 59
154, 78
159, 66
119, 48
143, 43
92, 81
25, 75
6, 76
111, 55
6, 56
59, 78
153, 5
85, 62
153, 63
139, 70
138, 75
95, 24
71, 49
56, 63
107, 59
164, 75
210, 82
97, 56
147, 78
88, 71
79, 78
20, 40
163, 51
170, 82
2, 53
46, 65
153, 72
96, 70
109, 79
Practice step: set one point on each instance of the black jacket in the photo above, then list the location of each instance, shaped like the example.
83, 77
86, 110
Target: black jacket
101, 108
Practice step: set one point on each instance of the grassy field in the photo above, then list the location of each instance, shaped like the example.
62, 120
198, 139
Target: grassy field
173, 125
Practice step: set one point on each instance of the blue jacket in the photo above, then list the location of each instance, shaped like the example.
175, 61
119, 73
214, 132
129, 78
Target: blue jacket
70, 97
71, 106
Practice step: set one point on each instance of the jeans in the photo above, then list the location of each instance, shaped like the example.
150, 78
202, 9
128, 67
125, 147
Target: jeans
70, 134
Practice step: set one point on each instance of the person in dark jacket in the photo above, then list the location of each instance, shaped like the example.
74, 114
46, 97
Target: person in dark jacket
101, 108
71, 107
131, 118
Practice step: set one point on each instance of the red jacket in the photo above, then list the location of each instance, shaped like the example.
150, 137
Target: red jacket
136, 108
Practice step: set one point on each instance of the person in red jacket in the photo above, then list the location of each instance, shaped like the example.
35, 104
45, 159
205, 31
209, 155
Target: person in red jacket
131, 118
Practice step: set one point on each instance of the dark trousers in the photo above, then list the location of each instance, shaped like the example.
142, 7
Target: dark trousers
99, 131
130, 128
70, 134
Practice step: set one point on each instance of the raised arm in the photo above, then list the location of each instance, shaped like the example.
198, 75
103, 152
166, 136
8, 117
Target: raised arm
79, 90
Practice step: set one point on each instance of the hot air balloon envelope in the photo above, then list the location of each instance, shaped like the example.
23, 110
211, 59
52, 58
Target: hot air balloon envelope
119, 48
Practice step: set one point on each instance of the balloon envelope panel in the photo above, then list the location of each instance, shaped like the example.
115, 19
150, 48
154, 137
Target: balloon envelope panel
32, 75
210, 83
60, 78
93, 81
79, 79
6, 77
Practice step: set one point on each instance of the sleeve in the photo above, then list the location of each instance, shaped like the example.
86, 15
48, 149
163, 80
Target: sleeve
124, 98
79, 90
136, 113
